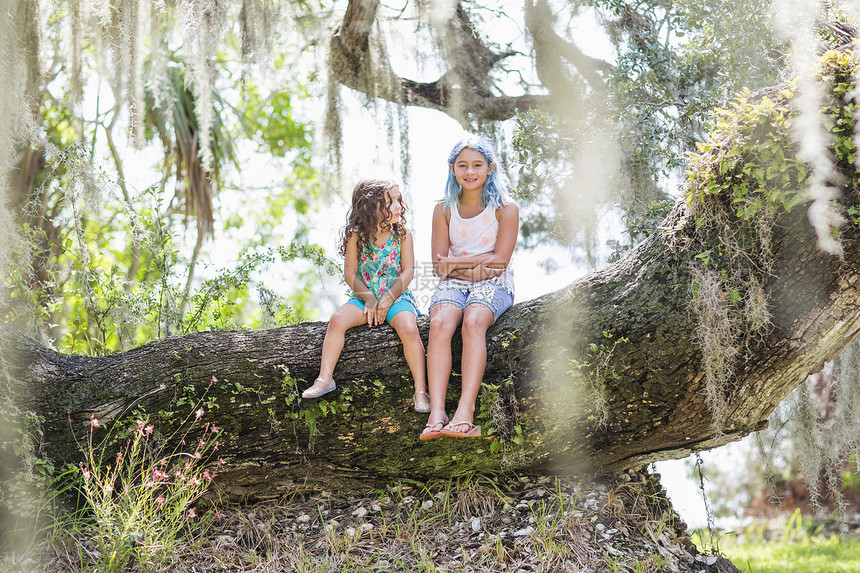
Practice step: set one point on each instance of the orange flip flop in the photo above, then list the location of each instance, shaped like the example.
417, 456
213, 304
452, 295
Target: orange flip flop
431, 432
472, 432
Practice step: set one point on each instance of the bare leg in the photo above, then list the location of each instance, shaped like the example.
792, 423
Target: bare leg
444, 319
342, 320
476, 320
406, 325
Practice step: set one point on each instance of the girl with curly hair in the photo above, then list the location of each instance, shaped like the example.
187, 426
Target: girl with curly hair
379, 263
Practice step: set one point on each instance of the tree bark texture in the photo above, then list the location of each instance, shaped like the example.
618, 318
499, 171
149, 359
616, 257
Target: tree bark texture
629, 326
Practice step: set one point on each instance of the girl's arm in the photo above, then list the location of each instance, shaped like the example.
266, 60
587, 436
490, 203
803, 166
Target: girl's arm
439, 241
401, 283
350, 272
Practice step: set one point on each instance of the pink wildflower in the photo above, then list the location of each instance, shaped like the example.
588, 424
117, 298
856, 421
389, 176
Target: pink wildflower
192, 513
160, 500
194, 481
118, 458
213, 380
85, 471
140, 425
94, 422
208, 476
213, 429
149, 429
220, 462
215, 447
199, 413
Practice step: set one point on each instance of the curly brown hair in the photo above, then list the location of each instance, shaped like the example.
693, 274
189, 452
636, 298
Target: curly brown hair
369, 201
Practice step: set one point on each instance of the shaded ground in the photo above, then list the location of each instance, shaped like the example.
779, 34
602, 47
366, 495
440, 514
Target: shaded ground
479, 524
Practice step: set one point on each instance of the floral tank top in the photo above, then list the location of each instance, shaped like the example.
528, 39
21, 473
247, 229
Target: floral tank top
379, 267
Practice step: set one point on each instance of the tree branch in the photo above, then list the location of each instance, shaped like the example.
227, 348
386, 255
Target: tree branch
465, 91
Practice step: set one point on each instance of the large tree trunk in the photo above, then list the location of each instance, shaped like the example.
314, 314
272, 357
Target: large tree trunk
635, 313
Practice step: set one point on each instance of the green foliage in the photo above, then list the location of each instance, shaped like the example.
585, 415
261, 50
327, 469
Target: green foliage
315, 409
271, 121
679, 60
107, 263
498, 414
674, 63
750, 159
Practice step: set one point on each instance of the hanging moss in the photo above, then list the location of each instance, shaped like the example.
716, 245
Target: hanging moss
739, 184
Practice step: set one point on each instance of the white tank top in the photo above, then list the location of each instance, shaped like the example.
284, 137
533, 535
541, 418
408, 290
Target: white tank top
473, 236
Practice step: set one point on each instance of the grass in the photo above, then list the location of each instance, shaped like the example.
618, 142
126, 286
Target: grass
472, 524
815, 554
131, 503
790, 546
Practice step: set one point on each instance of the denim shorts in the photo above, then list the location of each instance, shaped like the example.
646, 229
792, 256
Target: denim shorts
493, 296
397, 307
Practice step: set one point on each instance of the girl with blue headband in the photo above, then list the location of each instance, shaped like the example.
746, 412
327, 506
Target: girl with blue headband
475, 229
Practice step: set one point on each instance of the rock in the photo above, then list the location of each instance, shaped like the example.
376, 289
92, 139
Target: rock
476, 524
525, 531
361, 511
428, 504
707, 559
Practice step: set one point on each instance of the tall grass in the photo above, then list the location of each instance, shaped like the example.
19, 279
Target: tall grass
137, 503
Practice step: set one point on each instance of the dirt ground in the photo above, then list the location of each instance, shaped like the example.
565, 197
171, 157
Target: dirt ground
529, 523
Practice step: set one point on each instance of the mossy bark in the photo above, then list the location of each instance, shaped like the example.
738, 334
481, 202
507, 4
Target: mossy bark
625, 333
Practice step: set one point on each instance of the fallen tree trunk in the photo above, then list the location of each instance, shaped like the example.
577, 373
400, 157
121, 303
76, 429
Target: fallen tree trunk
604, 375
632, 316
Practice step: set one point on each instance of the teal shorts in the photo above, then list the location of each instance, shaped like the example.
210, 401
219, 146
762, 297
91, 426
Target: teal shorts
396, 308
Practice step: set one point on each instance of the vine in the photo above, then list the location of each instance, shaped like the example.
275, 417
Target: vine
597, 368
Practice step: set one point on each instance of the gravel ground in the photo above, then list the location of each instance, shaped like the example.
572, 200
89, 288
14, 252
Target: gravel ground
529, 523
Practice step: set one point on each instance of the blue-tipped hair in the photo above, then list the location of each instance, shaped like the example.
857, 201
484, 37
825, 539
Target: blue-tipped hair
495, 187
